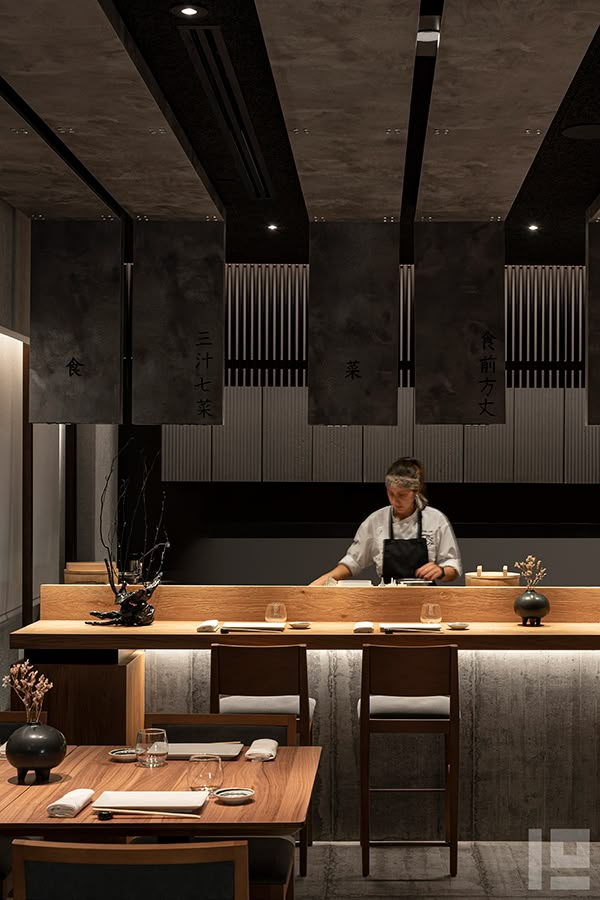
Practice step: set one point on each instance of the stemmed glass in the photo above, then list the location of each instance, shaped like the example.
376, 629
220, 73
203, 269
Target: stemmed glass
205, 772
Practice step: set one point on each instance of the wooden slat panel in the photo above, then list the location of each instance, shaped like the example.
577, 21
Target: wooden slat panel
318, 604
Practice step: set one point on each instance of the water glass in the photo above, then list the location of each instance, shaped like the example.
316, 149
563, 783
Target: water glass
151, 747
276, 612
431, 613
205, 772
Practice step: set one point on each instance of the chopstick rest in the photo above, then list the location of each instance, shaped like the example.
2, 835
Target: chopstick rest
71, 804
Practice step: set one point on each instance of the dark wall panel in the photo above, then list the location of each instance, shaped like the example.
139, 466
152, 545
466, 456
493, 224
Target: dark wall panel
75, 322
353, 324
459, 323
593, 323
178, 282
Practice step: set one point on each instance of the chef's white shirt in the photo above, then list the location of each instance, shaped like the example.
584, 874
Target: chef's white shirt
367, 546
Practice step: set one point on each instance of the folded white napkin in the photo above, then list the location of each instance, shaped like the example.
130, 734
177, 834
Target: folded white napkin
71, 804
262, 749
365, 627
3, 750
208, 625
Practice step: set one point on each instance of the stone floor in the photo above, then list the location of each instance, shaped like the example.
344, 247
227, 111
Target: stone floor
498, 870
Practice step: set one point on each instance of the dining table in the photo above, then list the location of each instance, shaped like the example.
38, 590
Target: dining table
282, 793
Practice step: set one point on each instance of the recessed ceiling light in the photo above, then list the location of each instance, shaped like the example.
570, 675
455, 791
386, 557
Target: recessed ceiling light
272, 227
428, 37
187, 11
533, 227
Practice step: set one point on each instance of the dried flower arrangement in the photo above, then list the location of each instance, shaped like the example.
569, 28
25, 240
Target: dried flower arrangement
29, 686
531, 570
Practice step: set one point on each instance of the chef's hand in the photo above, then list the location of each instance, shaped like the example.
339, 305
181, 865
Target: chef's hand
431, 571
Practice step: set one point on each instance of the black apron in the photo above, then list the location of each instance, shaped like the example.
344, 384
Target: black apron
403, 556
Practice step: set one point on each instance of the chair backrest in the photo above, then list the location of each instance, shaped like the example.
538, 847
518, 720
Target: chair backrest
260, 671
189, 727
47, 870
410, 671
11, 720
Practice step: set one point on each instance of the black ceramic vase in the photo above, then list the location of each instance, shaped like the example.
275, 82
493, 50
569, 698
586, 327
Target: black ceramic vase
37, 747
532, 607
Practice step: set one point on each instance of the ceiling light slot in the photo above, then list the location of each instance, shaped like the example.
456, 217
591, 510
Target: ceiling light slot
213, 65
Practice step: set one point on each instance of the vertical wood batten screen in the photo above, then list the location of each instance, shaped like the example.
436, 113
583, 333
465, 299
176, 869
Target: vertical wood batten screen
593, 322
178, 281
459, 319
75, 322
353, 324
266, 325
545, 326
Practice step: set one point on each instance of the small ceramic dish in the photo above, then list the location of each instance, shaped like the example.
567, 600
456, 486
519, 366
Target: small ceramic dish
233, 796
299, 624
458, 626
123, 754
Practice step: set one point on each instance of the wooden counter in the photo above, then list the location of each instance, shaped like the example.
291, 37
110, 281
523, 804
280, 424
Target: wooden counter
68, 636
98, 671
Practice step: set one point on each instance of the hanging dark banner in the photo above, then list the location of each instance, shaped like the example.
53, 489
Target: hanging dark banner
459, 323
592, 356
353, 324
178, 312
75, 322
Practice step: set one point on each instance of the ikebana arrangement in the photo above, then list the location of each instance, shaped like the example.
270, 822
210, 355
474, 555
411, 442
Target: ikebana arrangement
530, 605
133, 606
33, 746
532, 571
29, 686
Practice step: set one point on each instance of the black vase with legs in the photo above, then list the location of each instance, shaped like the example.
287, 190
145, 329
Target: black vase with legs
37, 747
532, 607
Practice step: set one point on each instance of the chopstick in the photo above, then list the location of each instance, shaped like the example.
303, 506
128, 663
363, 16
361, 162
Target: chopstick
145, 812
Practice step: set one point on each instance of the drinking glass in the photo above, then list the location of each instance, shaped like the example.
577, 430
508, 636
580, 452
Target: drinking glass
151, 747
276, 612
205, 772
431, 613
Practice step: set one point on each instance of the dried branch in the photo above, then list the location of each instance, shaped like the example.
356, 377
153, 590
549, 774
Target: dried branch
531, 570
29, 686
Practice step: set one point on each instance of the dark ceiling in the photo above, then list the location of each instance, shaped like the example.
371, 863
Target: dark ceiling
273, 112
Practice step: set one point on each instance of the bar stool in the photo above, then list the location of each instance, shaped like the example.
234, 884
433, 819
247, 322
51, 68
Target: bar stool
410, 690
260, 680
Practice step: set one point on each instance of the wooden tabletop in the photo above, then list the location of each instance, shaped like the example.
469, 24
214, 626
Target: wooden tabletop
75, 635
283, 788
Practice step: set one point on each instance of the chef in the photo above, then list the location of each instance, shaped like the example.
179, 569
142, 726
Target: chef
407, 539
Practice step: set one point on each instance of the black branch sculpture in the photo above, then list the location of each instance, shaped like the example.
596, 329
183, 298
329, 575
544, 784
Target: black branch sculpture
134, 608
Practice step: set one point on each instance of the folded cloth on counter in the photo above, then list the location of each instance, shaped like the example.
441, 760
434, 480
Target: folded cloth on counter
208, 625
71, 804
365, 627
3, 750
262, 749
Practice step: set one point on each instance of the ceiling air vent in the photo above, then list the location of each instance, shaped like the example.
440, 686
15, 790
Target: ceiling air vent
212, 62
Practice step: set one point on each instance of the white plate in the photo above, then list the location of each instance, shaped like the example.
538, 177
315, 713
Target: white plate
226, 750
234, 796
171, 801
123, 754
458, 626
299, 624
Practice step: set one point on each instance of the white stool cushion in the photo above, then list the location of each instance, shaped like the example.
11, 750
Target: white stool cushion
383, 707
284, 705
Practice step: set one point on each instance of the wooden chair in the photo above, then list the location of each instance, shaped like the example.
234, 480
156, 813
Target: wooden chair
261, 680
189, 727
411, 690
48, 870
270, 859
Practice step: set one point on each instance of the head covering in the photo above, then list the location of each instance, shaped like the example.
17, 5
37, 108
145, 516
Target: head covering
403, 481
